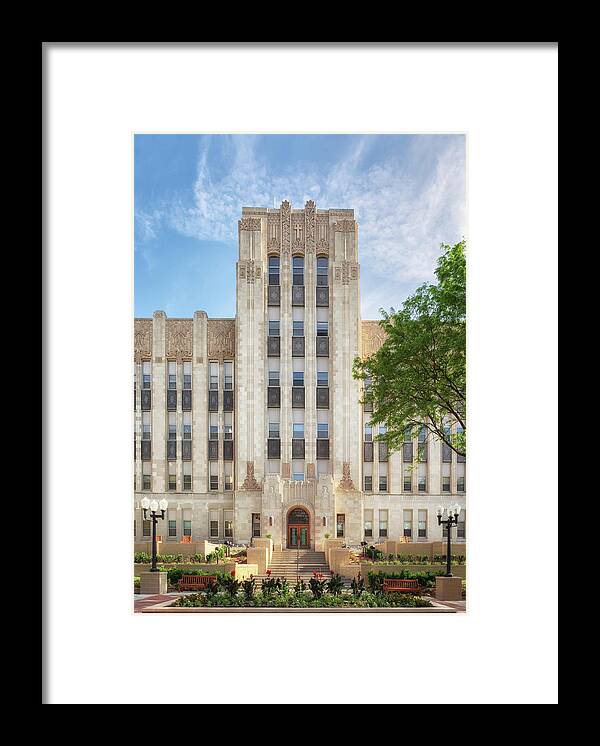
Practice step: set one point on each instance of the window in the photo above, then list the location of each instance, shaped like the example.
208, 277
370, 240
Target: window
460, 484
228, 375
214, 376
146, 528
298, 471
407, 479
322, 270
172, 528
460, 528
228, 524
172, 375
273, 328
445, 484
228, 476
382, 483
368, 525
298, 329
172, 476
298, 379
422, 524
340, 525
187, 375
213, 523
368, 432
408, 435
146, 475
382, 429
273, 378
322, 378
422, 434
146, 375
256, 524
187, 475
228, 426
322, 328
187, 528
407, 523
383, 523
273, 429
298, 270
172, 426
214, 475
213, 428
146, 426
322, 430
273, 270
187, 425
298, 430
422, 484
368, 483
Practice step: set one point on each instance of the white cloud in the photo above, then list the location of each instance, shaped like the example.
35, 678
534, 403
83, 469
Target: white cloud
406, 207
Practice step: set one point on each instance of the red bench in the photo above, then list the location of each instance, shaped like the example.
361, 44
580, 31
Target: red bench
195, 582
400, 585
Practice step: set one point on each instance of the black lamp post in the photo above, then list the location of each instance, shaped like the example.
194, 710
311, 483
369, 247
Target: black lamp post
451, 519
155, 516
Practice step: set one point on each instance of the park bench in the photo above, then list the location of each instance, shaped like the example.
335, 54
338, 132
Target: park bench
400, 585
195, 582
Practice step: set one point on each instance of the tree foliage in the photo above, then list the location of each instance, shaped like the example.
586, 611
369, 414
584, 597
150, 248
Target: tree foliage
418, 376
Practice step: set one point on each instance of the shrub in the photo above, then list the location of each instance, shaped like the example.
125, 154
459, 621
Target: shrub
335, 585
142, 558
174, 573
426, 579
304, 600
249, 588
231, 585
198, 558
357, 585
317, 585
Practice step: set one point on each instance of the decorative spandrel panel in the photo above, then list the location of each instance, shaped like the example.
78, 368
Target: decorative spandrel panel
322, 397
186, 400
179, 335
297, 396
367, 451
297, 346
142, 339
422, 453
228, 450
273, 396
213, 401
171, 450
297, 295
322, 346
274, 448
373, 336
146, 450
273, 295
213, 450
297, 447
186, 450
228, 399
221, 339
407, 453
171, 400
322, 448
446, 453
322, 297
273, 346
146, 400
383, 452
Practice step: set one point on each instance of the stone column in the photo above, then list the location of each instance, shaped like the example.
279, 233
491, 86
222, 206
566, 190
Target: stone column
159, 405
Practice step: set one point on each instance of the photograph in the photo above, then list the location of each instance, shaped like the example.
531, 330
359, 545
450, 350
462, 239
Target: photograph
299, 366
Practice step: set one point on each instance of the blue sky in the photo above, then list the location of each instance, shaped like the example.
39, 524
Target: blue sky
408, 193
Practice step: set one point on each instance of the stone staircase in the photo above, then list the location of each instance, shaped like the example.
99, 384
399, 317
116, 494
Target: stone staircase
283, 565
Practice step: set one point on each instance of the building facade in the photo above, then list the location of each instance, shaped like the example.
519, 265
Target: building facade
253, 426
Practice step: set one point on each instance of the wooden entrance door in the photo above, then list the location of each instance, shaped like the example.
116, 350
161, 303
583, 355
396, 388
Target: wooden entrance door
298, 529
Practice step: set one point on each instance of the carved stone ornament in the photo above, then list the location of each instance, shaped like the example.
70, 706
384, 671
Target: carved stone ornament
344, 226
322, 237
249, 224
286, 471
346, 482
248, 270
373, 336
310, 211
345, 272
298, 231
221, 338
286, 214
273, 232
250, 482
179, 333
142, 339
310, 471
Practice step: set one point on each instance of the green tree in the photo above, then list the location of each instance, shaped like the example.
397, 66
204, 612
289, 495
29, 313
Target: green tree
417, 378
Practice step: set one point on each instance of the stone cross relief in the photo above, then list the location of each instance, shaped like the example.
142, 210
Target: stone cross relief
298, 230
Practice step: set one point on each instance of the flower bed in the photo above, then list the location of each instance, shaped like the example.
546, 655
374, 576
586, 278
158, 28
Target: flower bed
303, 600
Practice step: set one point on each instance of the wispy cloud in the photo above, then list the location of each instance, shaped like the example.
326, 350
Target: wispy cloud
406, 206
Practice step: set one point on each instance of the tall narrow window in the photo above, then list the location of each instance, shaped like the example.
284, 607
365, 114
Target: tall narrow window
368, 432
322, 328
407, 478
407, 523
187, 522
172, 476
228, 524
256, 524
213, 523
460, 528
273, 270
298, 430
146, 475
228, 425
368, 476
214, 475
214, 426
422, 524
322, 270
146, 426
340, 525
383, 523
214, 376
187, 375
273, 376
368, 525
146, 374
322, 430
273, 328
228, 475
172, 426
383, 477
172, 526
228, 374
187, 475
172, 374
146, 528
298, 270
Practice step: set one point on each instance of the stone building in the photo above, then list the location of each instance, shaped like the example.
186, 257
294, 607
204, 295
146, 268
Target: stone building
252, 426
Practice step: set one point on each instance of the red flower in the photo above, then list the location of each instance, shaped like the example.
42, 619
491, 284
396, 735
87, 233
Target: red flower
268, 572
232, 573
332, 573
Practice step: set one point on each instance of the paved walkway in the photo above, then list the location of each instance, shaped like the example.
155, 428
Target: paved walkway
141, 600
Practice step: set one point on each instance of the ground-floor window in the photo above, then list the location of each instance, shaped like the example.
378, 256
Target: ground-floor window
228, 524
340, 525
383, 523
407, 523
256, 524
422, 524
460, 529
368, 527
146, 528
214, 523
172, 528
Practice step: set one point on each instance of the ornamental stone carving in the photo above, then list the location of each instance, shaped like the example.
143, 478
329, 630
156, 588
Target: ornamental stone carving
142, 339
346, 482
322, 235
310, 211
286, 470
250, 482
344, 226
373, 336
221, 338
286, 214
298, 231
345, 272
310, 471
249, 224
273, 232
179, 339
248, 270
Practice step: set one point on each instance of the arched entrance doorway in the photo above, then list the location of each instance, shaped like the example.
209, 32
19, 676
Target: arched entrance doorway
298, 529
